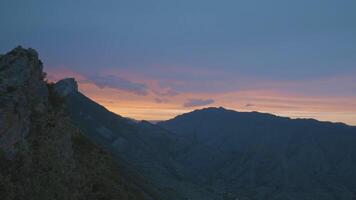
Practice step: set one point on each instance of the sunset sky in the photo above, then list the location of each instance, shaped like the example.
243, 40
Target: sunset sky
154, 59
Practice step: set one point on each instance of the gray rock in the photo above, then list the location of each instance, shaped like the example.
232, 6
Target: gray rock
23, 93
66, 86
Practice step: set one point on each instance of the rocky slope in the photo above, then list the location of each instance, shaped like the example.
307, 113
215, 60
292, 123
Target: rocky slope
42, 154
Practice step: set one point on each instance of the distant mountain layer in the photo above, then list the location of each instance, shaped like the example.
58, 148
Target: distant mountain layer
254, 155
42, 154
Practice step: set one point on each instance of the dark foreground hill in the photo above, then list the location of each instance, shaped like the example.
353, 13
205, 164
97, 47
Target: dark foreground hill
42, 154
262, 156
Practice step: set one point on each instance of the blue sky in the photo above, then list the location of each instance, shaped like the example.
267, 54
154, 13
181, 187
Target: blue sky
304, 47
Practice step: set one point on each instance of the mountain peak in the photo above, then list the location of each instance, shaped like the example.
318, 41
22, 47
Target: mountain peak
20, 67
19, 50
213, 109
22, 93
66, 86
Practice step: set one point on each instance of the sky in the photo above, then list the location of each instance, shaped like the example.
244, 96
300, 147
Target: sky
156, 59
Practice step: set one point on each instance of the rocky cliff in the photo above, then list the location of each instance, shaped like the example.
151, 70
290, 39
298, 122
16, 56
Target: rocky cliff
42, 154
22, 95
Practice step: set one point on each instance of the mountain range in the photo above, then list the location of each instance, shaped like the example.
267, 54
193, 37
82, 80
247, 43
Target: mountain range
85, 151
251, 155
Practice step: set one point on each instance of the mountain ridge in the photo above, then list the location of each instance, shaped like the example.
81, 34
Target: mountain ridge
210, 144
223, 109
214, 146
262, 156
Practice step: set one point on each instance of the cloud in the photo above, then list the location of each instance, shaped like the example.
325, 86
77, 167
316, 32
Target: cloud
165, 92
161, 100
115, 82
198, 102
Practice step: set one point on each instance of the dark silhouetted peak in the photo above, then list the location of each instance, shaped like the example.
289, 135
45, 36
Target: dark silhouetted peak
208, 109
20, 51
66, 86
213, 109
203, 113
216, 109
224, 112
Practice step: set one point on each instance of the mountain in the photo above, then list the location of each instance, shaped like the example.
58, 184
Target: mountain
43, 155
148, 149
251, 155
56, 143
216, 153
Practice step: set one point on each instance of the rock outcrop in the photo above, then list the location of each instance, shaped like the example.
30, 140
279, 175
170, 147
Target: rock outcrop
66, 86
23, 93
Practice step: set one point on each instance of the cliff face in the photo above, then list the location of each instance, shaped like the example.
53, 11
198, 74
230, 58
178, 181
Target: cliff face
22, 95
42, 155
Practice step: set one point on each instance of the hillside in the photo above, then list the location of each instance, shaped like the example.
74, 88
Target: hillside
148, 149
251, 155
